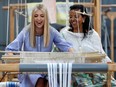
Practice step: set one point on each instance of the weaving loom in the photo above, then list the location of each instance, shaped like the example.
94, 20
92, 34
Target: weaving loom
47, 61
53, 57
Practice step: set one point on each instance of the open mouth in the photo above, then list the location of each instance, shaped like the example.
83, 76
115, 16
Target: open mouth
39, 23
74, 22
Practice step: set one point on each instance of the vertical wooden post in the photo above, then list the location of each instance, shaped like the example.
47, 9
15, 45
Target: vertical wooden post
112, 16
112, 38
97, 16
12, 17
109, 79
1, 72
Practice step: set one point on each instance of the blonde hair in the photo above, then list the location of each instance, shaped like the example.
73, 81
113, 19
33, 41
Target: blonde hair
46, 26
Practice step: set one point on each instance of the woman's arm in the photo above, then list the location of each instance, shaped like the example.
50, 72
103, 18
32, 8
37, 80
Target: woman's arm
61, 43
16, 45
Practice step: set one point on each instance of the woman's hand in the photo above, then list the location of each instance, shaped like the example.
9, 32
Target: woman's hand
71, 50
9, 53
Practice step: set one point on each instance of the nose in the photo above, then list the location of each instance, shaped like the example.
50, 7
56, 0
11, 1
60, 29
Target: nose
74, 19
38, 18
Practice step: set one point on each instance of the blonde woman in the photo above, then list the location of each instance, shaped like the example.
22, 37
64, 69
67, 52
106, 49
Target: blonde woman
38, 36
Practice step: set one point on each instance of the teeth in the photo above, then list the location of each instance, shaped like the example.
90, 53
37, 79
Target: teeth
39, 23
73, 22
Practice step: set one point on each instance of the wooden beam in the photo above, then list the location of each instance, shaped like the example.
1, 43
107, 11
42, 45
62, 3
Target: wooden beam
85, 4
1, 72
108, 5
112, 67
15, 6
9, 67
12, 23
97, 16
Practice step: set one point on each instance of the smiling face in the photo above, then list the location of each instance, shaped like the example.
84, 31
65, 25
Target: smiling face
39, 24
75, 20
39, 19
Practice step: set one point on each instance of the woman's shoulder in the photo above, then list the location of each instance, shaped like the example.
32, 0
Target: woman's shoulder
65, 29
93, 34
25, 29
53, 30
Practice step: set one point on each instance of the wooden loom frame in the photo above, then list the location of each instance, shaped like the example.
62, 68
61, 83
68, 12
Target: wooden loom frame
95, 55
16, 68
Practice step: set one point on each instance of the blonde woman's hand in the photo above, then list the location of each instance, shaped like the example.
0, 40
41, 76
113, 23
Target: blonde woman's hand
9, 53
71, 50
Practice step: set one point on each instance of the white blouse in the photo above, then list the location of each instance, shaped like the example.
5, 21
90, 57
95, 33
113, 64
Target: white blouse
91, 43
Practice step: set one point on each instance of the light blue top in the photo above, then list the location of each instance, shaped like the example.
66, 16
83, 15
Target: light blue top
22, 41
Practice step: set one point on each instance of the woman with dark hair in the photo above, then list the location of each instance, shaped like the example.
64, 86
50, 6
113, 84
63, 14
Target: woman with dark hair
84, 39
81, 34
83, 20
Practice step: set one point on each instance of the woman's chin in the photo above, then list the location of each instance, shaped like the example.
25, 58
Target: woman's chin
39, 26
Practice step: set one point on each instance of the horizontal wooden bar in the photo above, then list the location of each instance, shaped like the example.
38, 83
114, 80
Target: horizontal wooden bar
112, 67
20, 6
108, 5
9, 67
85, 4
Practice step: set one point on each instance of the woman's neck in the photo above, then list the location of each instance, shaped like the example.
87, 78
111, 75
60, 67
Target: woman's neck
39, 31
78, 30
